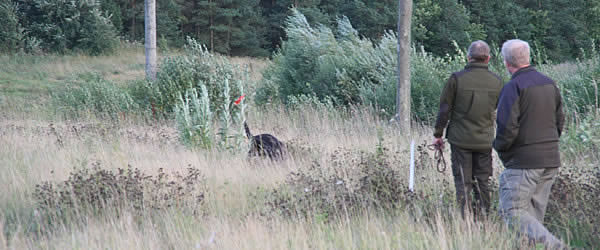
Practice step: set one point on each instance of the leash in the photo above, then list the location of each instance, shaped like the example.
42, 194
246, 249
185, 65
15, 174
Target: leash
439, 157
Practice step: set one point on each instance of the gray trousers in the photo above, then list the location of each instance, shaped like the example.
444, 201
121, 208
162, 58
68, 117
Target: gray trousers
472, 171
524, 197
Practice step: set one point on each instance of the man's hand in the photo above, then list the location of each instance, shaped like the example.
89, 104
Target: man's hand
438, 142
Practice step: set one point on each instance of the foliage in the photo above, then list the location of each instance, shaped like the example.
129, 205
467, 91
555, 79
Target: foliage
313, 62
63, 26
347, 69
440, 23
353, 181
12, 34
194, 118
255, 27
102, 98
191, 69
579, 82
571, 212
582, 136
95, 190
197, 86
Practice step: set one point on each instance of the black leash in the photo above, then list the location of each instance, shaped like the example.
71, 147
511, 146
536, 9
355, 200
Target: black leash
439, 157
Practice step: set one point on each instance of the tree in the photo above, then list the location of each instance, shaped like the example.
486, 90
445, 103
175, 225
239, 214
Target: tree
62, 26
439, 23
11, 31
403, 88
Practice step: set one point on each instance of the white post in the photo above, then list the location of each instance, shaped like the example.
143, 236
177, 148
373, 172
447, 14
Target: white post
411, 178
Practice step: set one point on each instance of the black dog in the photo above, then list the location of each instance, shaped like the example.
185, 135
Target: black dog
265, 145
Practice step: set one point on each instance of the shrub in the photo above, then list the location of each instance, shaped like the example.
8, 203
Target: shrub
94, 191
98, 35
94, 94
351, 182
572, 210
201, 89
582, 137
62, 26
347, 69
12, 34
195, 67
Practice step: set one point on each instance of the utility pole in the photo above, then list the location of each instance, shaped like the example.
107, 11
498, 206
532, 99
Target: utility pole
150, 38
403, 114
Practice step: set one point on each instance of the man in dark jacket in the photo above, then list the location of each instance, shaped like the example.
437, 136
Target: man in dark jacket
530, 121
468, 101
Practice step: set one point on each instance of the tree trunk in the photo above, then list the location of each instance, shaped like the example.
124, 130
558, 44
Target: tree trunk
132, 20
210, 25
403, 114
150, 38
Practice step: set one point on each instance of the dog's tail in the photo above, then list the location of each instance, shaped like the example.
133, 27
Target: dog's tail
248, 134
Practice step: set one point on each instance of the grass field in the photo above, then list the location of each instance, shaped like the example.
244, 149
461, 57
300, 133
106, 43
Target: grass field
36, 146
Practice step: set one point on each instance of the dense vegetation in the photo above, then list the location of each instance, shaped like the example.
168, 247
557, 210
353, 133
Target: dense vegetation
92, 154
255, 27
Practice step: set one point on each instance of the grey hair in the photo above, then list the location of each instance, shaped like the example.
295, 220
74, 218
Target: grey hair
479, 51
516, 52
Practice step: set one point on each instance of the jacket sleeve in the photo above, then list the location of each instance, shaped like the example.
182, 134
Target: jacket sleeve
560, 116
446, 105
507, 118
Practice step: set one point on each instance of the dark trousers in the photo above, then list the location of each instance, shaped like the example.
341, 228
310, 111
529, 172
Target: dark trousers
472, 171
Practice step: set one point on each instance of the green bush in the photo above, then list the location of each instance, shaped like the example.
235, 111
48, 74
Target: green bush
64, 26
94, 96
582, 136
12, 34
200, 89
348, 69
342, 67
197, 66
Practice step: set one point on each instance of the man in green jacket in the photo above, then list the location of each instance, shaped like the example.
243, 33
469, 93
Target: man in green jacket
530, 121
467, 107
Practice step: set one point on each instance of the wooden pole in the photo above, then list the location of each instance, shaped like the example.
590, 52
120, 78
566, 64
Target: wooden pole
150, 38
403, 88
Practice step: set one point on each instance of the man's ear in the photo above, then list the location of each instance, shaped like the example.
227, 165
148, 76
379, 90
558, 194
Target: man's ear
488, 59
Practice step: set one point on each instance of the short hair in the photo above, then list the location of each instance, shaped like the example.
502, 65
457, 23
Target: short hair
516, 52
479, 51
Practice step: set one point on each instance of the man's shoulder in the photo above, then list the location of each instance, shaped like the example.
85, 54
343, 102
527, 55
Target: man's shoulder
530, 78
478, 71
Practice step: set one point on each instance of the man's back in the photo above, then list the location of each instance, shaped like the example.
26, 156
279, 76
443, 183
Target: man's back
471, 96
530, 121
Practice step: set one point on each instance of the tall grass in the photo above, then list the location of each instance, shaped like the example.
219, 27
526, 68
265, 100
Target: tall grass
239, 190
325, 142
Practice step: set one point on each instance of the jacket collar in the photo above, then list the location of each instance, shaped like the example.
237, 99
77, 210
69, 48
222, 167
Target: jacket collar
476, 65
523, 70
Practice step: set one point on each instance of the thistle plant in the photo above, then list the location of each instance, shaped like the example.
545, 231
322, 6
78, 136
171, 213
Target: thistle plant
194, 117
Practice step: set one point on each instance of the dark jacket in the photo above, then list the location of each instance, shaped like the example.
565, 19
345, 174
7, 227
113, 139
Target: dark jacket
468, 101
530, 121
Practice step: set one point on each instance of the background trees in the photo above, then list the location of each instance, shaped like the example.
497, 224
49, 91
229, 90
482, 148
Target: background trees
255, 27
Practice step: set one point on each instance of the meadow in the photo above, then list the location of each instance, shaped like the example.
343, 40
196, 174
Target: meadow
89, 182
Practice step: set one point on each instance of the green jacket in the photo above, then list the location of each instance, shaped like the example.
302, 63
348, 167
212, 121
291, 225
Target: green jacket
468, 102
